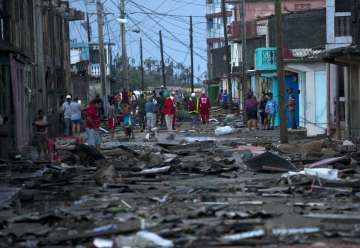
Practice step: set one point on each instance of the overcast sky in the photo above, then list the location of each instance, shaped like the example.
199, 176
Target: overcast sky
147, 14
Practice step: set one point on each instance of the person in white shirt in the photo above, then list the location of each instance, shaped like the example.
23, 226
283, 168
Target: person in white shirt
75, 109
67, 115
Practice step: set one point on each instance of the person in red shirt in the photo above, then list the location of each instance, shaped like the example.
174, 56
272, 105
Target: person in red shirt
204, 108
169, 111
93, 124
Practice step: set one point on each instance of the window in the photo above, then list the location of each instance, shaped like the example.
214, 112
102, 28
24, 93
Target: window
210, 24
342, 26
343, 5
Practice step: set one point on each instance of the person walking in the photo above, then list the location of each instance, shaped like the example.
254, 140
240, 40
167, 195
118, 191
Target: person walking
271, 109
75, 109
193, 108
150, 109
111, 117
169, 111
251, 108
204, 108
67, 115
173, 97
100, 105
141, 112
225, 100
41, 138
128, 122
93, 124
161, 116
262, 113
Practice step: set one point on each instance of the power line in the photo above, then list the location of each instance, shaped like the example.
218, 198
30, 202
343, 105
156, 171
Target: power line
174, 36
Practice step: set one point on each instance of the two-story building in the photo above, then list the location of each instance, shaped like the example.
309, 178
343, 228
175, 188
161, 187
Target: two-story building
257, 16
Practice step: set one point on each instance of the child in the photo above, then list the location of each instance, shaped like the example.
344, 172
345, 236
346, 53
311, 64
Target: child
128, 122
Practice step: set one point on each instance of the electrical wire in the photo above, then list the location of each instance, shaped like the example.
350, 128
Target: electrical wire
169, 32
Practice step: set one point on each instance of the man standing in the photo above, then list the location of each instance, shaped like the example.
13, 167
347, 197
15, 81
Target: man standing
204, 108
75, 109
141, 112
93, 124
169, 111
271, 110
225, 100
67, 115
161, 101
150, 109
251, 108
193, 108
291, 105
173, 95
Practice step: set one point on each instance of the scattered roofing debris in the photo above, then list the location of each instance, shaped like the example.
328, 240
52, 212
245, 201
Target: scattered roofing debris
190, 191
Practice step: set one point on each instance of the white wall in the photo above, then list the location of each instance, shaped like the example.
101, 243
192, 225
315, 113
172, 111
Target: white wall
308, 95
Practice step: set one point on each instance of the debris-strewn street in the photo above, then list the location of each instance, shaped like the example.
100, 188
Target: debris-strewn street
185, 189
179, 123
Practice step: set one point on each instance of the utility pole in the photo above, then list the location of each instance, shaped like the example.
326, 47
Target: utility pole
243, 46
123, 45
192, 54
162, 60
88, 71
88, 27
227, 59
284, 139
100, 21
142, 66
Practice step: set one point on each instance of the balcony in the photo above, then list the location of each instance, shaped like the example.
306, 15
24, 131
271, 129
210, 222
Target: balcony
95, 70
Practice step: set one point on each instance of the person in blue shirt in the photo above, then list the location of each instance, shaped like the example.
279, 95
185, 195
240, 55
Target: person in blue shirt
271, 109
150, 110
225, 100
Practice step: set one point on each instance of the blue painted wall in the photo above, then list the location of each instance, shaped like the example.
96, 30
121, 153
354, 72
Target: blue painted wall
292, 82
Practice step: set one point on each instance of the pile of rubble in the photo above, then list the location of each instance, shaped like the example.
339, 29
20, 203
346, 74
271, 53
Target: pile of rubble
184, 192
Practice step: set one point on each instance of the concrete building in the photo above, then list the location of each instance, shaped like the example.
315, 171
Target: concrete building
85, 69
34, 65
343, 53
215, 27
304, 41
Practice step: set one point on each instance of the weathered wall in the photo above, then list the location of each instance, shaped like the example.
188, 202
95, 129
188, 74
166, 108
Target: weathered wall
301, 30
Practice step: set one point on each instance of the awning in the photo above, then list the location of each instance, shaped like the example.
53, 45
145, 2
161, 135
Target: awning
343, 56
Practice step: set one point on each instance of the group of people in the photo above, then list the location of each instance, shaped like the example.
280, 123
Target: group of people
266, 108
200, 105
126, 108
